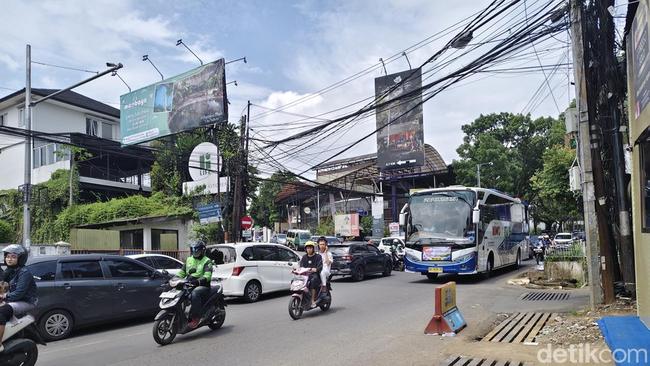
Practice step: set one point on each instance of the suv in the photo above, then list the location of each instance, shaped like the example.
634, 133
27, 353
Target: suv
249, 269
81, 290
296, 239
358, 259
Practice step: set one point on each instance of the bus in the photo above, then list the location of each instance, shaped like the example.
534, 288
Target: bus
463, 230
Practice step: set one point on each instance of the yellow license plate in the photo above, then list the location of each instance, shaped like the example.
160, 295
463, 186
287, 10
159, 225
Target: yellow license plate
435, 270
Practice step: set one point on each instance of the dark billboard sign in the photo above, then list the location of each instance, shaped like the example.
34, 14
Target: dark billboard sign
640, 57
193, 99
400, 139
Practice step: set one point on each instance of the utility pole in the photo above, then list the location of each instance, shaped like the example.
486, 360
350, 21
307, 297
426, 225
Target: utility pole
599, 275
27, 187
237, 196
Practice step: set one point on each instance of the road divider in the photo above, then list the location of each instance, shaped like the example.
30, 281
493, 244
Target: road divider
447, 318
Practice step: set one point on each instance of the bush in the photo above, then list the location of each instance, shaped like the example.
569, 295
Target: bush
7, 234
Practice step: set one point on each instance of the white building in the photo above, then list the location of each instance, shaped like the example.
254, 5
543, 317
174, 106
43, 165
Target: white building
83, 121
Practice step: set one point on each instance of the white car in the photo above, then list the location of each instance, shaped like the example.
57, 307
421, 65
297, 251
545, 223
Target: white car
385, 244
563, 240
159, 262
252, 269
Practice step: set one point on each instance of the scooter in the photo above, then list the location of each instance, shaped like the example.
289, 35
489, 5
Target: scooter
301, 297
175, 305
397, 254
19, 341
539, 253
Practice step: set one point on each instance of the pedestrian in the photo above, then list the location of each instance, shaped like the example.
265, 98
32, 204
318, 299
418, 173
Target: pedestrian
328, 259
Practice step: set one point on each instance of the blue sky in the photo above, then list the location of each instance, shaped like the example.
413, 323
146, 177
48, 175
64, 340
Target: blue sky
293, 48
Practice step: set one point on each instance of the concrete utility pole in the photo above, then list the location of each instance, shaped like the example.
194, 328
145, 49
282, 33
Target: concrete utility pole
592, 233
27, 114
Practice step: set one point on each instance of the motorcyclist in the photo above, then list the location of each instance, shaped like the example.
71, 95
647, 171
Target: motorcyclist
21, 297
198, 269
328, 259
315, 262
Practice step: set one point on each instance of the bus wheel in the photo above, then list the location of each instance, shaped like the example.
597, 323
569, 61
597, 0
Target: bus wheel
432, 276
518, 262
489, 268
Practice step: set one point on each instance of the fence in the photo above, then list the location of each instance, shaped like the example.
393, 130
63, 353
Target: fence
574, 252
178, 254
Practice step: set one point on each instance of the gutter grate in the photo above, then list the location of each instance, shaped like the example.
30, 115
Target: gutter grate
472, 361
545, 296
519, 328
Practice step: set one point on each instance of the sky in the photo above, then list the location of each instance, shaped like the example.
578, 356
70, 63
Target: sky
293, 49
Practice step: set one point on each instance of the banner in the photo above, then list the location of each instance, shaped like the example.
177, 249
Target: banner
639, 50
346, 225
401, 142
193, 99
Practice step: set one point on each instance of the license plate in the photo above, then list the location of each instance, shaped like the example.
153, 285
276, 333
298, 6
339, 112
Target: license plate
435, 270
169, 294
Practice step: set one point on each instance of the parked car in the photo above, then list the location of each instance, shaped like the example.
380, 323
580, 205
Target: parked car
359, 259
579, 235
76, 291
279, 239
562, 241
250, 270
159, 262
296, 239
331, 240
385, 243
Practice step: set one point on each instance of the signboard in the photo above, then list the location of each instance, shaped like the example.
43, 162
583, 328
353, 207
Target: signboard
193, 99
639, 46
247, 234
393, 227
211, 185
346, 225
204, 166
246, 222
436, 253
377, 228
378, 208
210, 212
400, 135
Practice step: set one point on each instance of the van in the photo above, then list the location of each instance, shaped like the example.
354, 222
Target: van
297, 238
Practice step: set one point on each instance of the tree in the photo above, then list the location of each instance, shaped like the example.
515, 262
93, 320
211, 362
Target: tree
514, 143
7, 234
555, 202
263, 207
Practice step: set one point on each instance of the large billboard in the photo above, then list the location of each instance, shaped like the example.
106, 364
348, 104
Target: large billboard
193, 99
400, 143
639, 54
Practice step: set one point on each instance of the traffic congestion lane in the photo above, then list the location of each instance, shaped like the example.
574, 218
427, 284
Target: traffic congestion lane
369, 320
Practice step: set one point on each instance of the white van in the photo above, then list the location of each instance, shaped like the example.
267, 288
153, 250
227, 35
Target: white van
296, 239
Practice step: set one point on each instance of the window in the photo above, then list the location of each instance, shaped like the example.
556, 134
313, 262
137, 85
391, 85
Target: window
21, 119
81, 270
229, 255
49, 153
372, 249
107, 130
126, 269
3, 119
91, 127
358, 249
260, 253
286, 255
43, 271
36, 158
166, 263
146, 260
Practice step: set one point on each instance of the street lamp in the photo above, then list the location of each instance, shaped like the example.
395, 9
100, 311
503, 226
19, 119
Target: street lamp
478, 173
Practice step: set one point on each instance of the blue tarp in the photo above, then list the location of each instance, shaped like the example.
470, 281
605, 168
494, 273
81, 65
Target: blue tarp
628, 339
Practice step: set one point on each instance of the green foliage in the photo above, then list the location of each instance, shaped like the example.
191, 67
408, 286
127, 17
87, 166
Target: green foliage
326, 226
554, 200
366, 225
7, 233
263, 207
209, 233
514, 143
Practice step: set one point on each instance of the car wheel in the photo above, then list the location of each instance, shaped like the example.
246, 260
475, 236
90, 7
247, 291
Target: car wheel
388, 268
518, 262
358, 274
56, 325
252, 291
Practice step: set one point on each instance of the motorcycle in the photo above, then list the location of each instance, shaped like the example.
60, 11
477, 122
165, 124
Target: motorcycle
19, 341
539, 253
175, 305
301, 297
397, 256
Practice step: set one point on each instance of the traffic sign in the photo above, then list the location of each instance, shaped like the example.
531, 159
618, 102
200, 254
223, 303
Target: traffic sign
246, 222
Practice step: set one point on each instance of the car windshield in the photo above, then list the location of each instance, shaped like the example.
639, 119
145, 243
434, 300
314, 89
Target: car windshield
442, 215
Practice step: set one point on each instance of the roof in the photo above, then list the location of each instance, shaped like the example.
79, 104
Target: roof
72, 257
132, 221
72, 98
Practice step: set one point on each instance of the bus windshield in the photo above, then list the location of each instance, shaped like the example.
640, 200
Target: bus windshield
442, 215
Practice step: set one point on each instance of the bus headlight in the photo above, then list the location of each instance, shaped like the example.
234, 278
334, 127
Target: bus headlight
412, 257
465, 257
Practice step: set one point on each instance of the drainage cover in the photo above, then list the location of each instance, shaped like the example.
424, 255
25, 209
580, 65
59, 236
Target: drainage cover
519, 328
473, 361
545, 296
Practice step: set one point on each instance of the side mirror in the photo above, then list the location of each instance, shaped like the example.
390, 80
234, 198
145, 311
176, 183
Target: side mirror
476, 216
402, 219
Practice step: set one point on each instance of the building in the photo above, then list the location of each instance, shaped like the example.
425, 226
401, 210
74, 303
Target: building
78, 120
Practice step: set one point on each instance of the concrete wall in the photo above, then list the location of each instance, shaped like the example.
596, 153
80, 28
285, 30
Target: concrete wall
39, 250
564, 271
12, 166
641, 240
182, 226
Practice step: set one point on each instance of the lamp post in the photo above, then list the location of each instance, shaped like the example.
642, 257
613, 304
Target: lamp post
478, 172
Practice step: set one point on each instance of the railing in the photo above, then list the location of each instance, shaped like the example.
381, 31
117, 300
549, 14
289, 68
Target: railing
573, 252
178, 254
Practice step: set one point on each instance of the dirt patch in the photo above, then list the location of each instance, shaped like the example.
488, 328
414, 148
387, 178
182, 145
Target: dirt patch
536, 280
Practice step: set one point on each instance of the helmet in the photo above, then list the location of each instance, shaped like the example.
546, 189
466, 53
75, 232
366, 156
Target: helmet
17, 250
322, 238
310, 244
197, 249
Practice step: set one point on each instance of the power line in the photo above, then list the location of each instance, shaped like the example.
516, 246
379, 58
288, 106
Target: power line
66, 67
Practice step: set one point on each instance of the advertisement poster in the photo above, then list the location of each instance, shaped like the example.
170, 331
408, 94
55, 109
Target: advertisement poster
184, 102
638, 42
436, 253
346, 225
400, 139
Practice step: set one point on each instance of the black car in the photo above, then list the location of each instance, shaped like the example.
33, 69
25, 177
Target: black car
81, 290
359, 259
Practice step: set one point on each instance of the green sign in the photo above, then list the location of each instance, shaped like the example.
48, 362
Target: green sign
193, 99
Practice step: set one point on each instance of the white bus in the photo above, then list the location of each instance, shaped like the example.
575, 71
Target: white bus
463, 230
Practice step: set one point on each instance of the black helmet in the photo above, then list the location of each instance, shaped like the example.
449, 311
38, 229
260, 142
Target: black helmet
197, 249
17, 250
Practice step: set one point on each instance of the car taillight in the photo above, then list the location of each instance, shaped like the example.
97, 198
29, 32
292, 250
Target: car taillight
236, 271
347, 258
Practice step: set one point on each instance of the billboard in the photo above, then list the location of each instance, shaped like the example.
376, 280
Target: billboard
401, 143
639, 52
346, 225
193, 99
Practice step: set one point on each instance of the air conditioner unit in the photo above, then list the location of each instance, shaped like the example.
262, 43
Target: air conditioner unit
571, 120
574, 178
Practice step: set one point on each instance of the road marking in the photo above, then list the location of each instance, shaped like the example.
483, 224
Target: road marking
91, 343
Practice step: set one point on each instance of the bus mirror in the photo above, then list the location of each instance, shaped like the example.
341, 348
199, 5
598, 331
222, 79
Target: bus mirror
476, 216
402, 219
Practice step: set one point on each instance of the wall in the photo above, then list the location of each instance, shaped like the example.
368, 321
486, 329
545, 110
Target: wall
13, 169
182, 226
94, 239
641, 239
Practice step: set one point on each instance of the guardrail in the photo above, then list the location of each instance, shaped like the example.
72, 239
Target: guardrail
178, 254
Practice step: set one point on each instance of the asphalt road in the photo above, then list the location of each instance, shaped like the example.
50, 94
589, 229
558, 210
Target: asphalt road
378, 321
